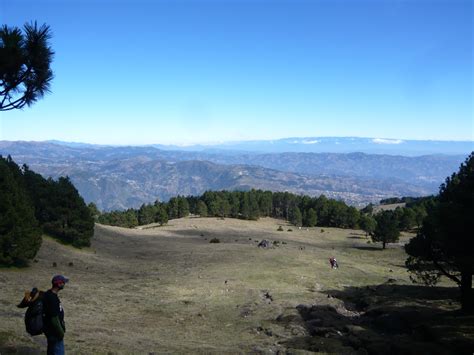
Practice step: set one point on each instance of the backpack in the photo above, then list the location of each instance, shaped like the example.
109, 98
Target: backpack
34, 314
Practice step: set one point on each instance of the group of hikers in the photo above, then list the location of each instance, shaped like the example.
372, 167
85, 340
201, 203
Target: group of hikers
45, 314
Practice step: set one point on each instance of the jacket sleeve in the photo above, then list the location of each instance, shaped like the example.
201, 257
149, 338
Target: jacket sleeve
58, 328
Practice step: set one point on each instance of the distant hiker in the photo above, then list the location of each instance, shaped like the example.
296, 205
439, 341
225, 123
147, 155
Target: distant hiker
54, 327
333, 262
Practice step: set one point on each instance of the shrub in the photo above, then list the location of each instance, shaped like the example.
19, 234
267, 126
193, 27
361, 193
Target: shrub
290, 230
280, 229
214, 240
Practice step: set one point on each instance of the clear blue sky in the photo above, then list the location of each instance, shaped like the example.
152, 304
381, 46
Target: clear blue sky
139, 72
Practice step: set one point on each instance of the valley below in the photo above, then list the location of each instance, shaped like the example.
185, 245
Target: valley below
117, 178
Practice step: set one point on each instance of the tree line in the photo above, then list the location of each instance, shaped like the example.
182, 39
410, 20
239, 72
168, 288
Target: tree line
249, 205
31, 205
300, 210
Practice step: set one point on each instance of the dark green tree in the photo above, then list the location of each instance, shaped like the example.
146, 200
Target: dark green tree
234, 201
295, 216
420, 215
173, 208
265, 203
201, 209
367, 223
146, 214
444, 246
20, 236
129, 218
183, 207
161, 216
369, 209
70, 219
311, 218
25, 59
224, 207
253, 205
95, 213
386, 230
407, 220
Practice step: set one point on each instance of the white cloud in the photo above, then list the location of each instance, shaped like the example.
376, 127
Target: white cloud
386, 141
310, 142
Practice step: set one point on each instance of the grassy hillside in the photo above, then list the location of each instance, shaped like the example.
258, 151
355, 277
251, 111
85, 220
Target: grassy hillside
168, 290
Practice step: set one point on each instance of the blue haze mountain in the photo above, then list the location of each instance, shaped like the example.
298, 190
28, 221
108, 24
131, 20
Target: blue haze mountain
126, 176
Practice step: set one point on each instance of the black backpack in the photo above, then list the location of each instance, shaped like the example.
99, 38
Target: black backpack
34, 313
34, 318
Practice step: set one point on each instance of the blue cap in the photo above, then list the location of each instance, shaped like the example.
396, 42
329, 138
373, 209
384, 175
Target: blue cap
59, 278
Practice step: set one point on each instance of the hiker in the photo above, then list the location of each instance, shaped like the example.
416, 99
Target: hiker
333, 262
54, 327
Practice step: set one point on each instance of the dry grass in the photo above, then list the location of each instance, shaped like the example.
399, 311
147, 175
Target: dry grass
168, 290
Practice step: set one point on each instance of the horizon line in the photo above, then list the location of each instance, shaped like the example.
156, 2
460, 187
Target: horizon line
376, 140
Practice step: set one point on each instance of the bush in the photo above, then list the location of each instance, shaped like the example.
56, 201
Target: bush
214, 240
322, 230
290, 230
280, 229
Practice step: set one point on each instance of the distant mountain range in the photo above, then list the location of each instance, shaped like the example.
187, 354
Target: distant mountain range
122, 177
404, 147
338, 145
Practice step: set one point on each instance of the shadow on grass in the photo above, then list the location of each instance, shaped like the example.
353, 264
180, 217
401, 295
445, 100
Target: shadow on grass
371, 248
387, 318
7, 341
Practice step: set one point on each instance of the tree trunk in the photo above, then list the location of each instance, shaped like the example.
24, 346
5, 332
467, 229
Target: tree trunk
467, 296
383, 245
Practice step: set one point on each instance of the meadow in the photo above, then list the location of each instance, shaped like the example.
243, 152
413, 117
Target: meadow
168, 289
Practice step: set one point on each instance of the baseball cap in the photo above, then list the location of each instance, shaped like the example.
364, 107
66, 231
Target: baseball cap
59, 278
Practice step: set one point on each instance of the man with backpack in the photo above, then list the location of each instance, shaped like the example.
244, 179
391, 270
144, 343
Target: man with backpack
53, 316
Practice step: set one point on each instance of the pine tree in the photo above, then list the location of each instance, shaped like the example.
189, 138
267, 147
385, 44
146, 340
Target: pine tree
201, 209
386, 230
311, 218
295, 216
444, 246
20, 237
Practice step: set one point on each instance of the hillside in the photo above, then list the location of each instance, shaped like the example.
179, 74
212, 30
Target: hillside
124, 177
168, 290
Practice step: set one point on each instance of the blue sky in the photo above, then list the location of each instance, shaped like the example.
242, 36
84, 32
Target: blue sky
139, 72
